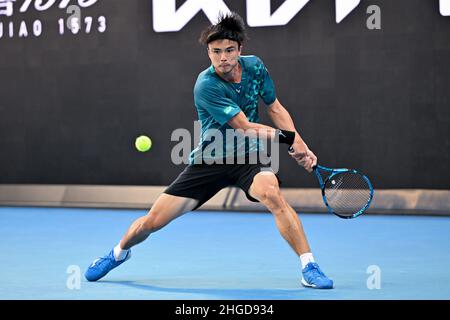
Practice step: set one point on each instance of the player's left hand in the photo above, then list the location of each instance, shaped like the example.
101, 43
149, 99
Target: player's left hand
304, 157
313, 157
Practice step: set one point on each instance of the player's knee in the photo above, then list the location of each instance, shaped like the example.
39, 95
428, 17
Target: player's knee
272, 196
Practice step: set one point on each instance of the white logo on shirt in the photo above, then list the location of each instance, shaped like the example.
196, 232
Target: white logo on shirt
228, 109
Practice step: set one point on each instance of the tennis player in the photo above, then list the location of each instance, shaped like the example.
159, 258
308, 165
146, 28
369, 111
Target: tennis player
226, 97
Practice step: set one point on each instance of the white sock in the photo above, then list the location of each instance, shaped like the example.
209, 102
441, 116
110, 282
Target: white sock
306, 258
119, 253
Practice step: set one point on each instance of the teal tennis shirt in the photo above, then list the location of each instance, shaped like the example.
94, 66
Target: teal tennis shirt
217, 101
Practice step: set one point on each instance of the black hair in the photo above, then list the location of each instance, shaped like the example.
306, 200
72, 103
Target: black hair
229, 26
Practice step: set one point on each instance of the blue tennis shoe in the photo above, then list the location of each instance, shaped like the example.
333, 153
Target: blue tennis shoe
313, 277
101, 266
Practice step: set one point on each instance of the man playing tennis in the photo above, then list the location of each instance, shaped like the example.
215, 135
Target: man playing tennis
226, 97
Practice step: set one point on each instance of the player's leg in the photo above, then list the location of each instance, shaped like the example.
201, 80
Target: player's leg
265, 188
193, 187
166, 208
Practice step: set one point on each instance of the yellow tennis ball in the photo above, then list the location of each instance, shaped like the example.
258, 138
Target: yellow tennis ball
143, 143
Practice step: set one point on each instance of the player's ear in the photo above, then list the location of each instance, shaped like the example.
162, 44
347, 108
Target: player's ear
208, 51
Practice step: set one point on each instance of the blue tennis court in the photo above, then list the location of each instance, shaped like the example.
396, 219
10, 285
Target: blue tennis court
221, 255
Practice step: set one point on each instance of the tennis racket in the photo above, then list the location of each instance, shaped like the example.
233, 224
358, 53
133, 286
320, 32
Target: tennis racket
346, 192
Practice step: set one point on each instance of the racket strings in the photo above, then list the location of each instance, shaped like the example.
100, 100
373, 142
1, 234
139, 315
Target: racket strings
347, 193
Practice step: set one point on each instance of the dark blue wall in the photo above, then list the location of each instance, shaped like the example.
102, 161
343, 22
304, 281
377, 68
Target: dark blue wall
376, 100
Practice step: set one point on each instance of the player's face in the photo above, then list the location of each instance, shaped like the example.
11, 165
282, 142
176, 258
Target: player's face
224, 55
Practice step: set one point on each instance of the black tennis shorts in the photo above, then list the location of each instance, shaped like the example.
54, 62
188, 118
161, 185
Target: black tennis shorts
203, 181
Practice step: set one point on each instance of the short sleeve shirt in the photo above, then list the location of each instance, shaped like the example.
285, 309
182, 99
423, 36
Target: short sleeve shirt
217, 101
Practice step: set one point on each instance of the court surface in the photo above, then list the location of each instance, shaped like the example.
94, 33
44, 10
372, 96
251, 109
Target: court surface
221, 255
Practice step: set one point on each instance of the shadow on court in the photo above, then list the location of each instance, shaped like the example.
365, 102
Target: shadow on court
244, 294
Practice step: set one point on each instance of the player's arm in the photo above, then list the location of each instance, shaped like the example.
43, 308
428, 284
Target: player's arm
283, 120
251, 129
